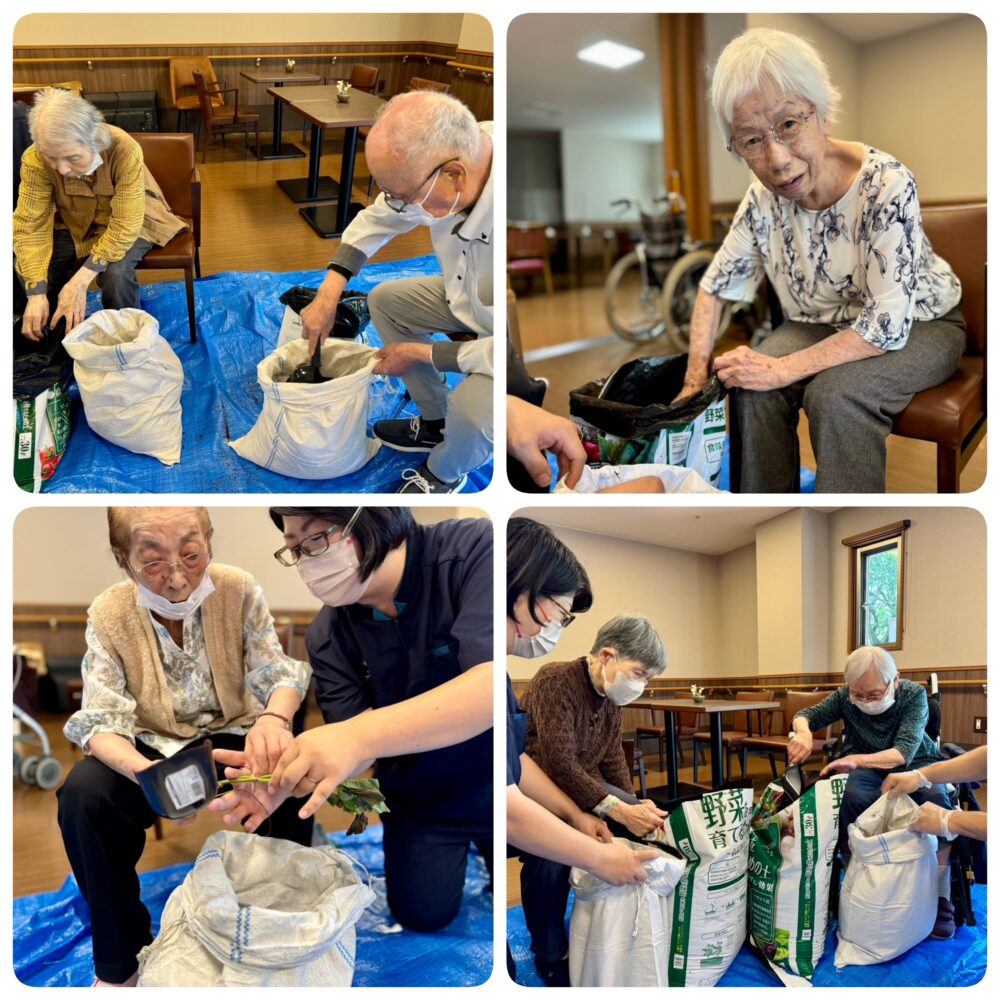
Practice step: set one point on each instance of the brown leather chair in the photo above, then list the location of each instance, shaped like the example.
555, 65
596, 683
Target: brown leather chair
953, 415
363, 78
170, 159
528, 252
420, 83
775, 746
732, 739
635, 765
182, 87
218, 120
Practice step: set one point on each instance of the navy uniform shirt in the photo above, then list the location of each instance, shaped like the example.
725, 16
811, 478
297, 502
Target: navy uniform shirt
516, 725
362, 659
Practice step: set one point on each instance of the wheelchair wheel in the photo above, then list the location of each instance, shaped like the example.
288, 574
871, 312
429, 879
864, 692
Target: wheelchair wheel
679, 293
48, 773
631, 301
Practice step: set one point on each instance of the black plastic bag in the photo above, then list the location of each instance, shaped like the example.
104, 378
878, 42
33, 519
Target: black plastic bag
39, 364
634, 400
352, 310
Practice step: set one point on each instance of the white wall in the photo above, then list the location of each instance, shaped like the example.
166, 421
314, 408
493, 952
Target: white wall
736, 612
932, 108
62, 556
673, 589
597, 169
238, 28
476, 34
945, 610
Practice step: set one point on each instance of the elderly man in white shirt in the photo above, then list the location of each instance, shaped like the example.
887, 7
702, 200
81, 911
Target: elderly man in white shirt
434, 165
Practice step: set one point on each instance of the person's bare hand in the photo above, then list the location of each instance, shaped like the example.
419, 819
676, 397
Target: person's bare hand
800, 748
317, 320
71, 304
36, 317
843, 765
620, 865
591, 826
744, 368
531, 431
398, 359
640, 818
246, 805
641, 484
693, 384
266, 741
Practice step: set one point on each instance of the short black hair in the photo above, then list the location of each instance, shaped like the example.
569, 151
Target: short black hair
378, 530
539, 564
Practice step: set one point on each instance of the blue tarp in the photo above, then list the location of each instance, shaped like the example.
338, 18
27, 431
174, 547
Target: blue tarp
52, 930
238, 319
958, 962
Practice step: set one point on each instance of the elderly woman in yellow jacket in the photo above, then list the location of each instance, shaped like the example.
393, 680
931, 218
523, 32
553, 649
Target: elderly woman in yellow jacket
183, 650
109, 211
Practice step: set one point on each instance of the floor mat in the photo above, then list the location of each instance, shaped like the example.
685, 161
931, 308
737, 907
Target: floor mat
958, 962
52, 930
238, 320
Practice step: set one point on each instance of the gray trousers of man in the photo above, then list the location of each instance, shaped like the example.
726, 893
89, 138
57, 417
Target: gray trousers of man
408, 311
850, 408
118, 283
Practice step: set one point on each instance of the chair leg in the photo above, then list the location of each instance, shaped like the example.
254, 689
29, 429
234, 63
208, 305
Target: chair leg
774, 767
256, 137
204, 145
696, 753
197, 262
189, 288
743, 761
947, 470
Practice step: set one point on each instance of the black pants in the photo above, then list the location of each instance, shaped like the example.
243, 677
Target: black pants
531, 390
425, 868
103, 817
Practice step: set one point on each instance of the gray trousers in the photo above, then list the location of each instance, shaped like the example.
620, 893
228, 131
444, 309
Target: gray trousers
850, 408
409, 311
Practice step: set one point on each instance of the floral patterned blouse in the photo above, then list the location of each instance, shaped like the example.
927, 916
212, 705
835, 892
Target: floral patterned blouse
109, 708
862, 263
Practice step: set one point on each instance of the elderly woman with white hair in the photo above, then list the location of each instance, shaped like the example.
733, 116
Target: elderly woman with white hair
574, 733
109, 212
885, 719
434, 165
871, 314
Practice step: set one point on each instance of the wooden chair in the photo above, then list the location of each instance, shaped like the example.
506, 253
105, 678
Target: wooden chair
528, 252
218, 120
775, 746
420, 83
953, 415
732, 739
183, 92
635, 765
170, 159
363, 78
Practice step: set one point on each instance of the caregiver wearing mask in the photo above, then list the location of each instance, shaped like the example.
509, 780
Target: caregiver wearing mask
574, 735
544, 577
183, 650
885, 720
402, 656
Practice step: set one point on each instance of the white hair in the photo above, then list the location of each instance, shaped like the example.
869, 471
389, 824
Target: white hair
63, 117
763, 55
633, 638
436, 127
863, 659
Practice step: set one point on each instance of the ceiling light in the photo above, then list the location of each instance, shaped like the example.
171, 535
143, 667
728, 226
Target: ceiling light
610, 54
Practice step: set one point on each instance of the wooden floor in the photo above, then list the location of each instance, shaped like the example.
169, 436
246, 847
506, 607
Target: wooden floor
250, 224
759, 770
40, 863
578, 314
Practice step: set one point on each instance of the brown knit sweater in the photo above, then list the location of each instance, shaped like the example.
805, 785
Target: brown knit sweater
574, 734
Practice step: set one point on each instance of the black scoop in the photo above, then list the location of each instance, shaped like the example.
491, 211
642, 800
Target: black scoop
308, 371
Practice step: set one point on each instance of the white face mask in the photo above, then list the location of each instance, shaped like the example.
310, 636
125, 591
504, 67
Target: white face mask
334, 576
875, 707
532, 646
623, 690
97, 162
423, 217
179, 610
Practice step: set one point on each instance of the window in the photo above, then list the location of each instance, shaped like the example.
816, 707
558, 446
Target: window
876, 586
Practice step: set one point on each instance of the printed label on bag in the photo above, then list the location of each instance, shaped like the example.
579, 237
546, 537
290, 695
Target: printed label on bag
186, 787
678, 444
24, 445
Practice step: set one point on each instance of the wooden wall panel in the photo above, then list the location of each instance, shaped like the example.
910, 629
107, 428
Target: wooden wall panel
145, 68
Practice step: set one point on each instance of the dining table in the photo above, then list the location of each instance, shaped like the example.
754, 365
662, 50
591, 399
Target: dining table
279, 150
323, 110
714, 708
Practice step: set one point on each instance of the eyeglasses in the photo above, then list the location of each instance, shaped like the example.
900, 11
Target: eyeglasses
787, 131
159, 569
315, 545
399, 204
867, 699
566, 618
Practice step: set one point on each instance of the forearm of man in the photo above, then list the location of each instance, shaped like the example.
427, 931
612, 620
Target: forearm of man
837, 349
451, 713
969, 766
533, 828
332, 287
704, 329
537, 785
118, 754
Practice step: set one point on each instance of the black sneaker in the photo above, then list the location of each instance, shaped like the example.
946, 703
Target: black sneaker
411, 434
944, 926
422, 480
553, 973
